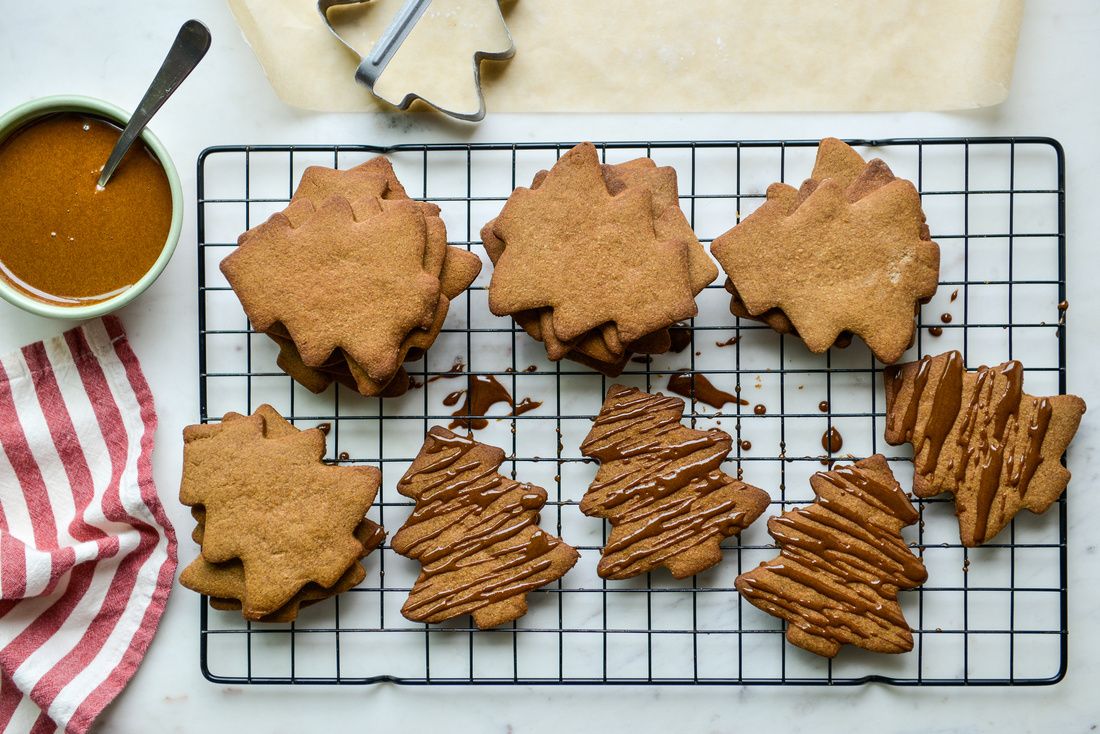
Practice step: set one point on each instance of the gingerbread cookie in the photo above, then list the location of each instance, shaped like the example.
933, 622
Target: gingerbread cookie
272, 505
979, 436
847, 253
841, 563
561, 249
224, 582
660, 486
476, 534
352, 279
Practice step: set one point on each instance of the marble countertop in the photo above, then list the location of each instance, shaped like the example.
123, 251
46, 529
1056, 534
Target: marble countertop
227, 100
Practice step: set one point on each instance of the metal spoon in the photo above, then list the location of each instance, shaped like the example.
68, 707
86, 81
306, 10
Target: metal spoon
191, 44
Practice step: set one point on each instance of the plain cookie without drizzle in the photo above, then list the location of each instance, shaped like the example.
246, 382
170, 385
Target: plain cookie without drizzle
847, 253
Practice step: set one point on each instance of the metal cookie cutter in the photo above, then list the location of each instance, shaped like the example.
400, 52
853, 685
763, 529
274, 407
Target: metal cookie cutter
392, 66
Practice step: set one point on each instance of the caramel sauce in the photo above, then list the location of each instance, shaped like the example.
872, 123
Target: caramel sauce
63, 240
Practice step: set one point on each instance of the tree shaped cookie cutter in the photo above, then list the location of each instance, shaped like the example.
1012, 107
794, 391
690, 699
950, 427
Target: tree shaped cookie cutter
409, 60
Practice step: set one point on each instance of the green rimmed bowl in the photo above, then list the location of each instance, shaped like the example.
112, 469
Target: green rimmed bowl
36, 108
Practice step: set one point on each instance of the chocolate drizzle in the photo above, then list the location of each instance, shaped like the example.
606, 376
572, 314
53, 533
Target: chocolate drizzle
482, 393
841, 563
660, 485
977, 435
475, 533
691, 385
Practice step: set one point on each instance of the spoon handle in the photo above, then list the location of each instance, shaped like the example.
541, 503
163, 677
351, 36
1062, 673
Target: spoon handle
191, 44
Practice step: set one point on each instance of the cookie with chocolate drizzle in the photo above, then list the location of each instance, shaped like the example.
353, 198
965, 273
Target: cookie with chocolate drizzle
475, 533
660, 486
842, 561
979, 436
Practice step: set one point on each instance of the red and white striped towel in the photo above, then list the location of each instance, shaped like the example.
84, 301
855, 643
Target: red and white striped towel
87, 555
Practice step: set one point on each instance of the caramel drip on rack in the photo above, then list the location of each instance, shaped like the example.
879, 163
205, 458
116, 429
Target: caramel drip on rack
970, 436
473, 530
660, 486
841, 564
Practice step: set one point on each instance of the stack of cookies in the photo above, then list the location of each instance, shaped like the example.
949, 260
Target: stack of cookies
351, 280
278, 529
847, 253
597, 261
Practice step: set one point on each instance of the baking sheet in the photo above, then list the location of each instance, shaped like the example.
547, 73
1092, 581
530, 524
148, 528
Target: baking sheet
689, 56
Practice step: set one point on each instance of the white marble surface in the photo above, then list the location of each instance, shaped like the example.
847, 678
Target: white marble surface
108, 49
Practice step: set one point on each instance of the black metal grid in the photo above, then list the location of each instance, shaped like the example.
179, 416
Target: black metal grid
990, 616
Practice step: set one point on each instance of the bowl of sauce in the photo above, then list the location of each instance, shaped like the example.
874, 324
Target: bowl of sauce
68, 248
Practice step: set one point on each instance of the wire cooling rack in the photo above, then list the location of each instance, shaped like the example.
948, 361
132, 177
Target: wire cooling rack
995, 615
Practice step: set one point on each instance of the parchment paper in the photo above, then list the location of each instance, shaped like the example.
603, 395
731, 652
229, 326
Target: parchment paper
685, 56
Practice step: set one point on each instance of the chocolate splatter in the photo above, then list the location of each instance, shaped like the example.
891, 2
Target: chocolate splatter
832, 441
482, 393
823, 406
728, 342
936, 331
746, 444
688, 385
525, 405
457, 368
760, 409
954, 295
945, 318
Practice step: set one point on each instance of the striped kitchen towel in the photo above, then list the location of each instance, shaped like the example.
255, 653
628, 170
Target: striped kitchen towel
87, 555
